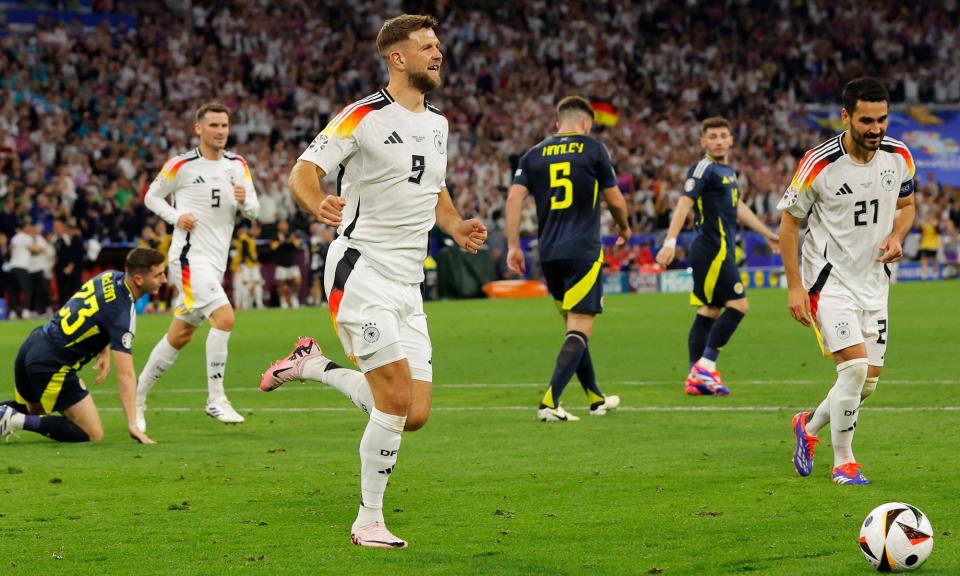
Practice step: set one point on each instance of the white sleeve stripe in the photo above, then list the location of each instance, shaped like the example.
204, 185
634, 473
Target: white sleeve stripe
701, 168
893, 142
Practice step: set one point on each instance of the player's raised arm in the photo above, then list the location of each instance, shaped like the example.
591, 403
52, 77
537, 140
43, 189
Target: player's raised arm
515, 258
468, 234
749, 219
668, 251
127, 384
798, 302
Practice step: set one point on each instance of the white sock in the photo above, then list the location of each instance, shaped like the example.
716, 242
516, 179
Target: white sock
294, 301
258, 295
819, 418
162, 357
216, 363
707, 363
378, 456
844, 404
350, 383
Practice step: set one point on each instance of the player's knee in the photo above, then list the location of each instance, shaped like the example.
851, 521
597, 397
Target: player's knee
740, 305
416, 421
709, 311
95, 434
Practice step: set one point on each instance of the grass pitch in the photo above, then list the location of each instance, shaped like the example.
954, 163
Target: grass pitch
669, 484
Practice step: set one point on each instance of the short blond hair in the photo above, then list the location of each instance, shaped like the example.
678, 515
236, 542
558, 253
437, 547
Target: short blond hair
398, 29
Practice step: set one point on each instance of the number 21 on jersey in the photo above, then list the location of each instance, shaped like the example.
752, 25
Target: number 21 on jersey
562, 186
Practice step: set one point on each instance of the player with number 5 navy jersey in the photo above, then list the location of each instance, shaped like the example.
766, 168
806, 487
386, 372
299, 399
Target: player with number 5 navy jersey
568, 174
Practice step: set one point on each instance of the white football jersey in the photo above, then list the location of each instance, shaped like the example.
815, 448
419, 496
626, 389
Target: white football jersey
851, 209
204, 188
390, 164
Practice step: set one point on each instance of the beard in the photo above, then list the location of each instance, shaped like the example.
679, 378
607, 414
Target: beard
861, 139
422, 81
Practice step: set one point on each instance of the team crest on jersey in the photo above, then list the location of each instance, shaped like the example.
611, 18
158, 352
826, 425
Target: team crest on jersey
320, 142
370, 332
843, 330
438, 141
689, 184
888, 180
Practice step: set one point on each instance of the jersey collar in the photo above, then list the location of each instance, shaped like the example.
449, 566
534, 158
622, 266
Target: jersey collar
129, 290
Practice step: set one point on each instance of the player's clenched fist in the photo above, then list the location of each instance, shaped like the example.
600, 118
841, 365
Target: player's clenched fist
331, 210
187, 222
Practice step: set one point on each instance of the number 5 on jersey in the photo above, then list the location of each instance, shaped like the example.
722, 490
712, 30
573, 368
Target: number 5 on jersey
561, 184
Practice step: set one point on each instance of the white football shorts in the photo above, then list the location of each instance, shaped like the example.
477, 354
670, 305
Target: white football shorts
842, 323
378, 320
200, 290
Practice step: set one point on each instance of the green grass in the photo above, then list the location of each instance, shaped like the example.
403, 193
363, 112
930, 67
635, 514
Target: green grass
684, 485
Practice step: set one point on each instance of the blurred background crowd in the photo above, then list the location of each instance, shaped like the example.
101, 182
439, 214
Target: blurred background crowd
89, 116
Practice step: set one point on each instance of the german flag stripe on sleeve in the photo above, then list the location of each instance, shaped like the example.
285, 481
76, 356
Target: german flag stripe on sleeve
897, 147
349, 118
814, 161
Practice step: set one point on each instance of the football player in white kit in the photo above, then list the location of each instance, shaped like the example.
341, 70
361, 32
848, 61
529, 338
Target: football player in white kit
209, 186
849, 188
389, 151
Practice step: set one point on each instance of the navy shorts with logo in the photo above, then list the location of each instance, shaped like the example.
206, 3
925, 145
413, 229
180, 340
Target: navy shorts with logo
716, 282
42, 378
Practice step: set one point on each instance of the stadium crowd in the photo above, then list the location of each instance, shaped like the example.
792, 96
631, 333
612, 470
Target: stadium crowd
87, 117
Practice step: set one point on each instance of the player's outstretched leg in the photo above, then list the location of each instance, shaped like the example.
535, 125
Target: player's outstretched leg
568, 360
307, 362
600, 403
704, 378
161, 358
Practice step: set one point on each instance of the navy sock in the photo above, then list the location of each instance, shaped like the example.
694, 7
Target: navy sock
721, 332
588, 379
697, 340
567, 362
56, 428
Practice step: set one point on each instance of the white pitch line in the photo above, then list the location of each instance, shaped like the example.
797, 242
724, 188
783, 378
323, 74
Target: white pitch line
526, 408
318, 386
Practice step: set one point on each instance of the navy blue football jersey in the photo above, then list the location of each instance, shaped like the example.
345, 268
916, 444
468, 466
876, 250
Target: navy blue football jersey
714, 190
565, 173
101, 313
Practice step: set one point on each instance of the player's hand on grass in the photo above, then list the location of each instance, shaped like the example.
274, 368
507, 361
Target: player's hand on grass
470, 235
103, 366
891, 250
187, 222
516, 261
665, 256
139, 436
331, 210
799, 304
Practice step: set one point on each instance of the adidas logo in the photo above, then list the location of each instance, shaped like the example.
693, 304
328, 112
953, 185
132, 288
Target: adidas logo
844, 190
393, 138
199, 180
387, 471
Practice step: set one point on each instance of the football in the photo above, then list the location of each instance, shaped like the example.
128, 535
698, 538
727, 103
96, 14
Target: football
896, 537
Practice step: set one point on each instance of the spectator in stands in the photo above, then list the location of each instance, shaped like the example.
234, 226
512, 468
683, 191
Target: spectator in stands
286, 248
21, 251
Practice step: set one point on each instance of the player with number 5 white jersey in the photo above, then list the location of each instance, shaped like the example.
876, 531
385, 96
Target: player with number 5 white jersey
200, 194
849, 189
